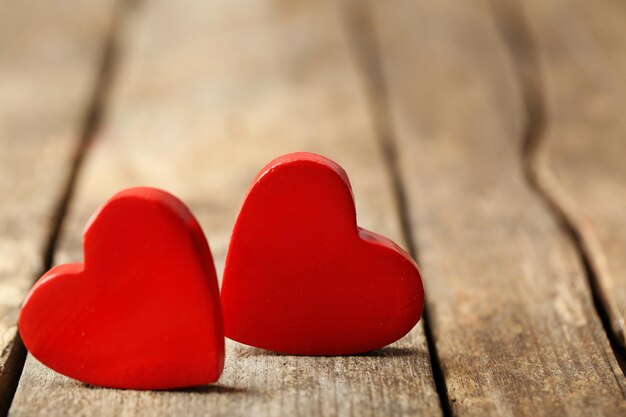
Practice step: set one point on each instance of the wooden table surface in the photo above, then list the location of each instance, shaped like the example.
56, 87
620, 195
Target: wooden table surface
486, 137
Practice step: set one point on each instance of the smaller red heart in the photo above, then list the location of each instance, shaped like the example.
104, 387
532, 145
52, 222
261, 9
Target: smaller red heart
302, 278
143, 311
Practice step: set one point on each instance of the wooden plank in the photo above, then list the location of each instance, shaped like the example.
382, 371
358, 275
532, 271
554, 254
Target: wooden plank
580, 162
42, 48
209, 92
511, 312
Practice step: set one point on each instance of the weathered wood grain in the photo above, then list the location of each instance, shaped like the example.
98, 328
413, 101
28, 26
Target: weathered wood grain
581, 160
207, 93
42, 46
510, 309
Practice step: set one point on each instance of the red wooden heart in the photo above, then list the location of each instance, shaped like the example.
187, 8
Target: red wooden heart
143, 311
302, 278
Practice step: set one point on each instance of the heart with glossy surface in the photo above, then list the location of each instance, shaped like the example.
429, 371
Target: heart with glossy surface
302, 278
143, 311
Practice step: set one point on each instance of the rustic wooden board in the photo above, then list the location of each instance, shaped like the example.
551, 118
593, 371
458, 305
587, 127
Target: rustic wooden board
42, 119
581, 161
207, 93
510, 309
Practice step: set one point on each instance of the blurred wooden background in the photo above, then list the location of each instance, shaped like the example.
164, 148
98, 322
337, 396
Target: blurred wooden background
488, 137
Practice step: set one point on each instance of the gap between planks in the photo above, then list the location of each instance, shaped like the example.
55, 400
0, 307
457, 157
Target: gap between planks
385, 136
91, 121
294, 378
453, 104
514, 27
365, 48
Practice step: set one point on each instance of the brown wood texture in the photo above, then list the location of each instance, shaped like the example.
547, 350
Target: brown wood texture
42, 119
581, 158
206, 94
510, 308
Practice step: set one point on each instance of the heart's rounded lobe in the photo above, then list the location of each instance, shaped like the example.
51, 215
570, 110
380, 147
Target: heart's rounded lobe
302, 278
143, 311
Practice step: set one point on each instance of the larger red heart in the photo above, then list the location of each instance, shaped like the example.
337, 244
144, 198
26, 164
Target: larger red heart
302, 278
143, 311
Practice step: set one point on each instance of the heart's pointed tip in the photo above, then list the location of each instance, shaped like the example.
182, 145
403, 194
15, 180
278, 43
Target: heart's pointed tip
189, 375
160, 385
314, 351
